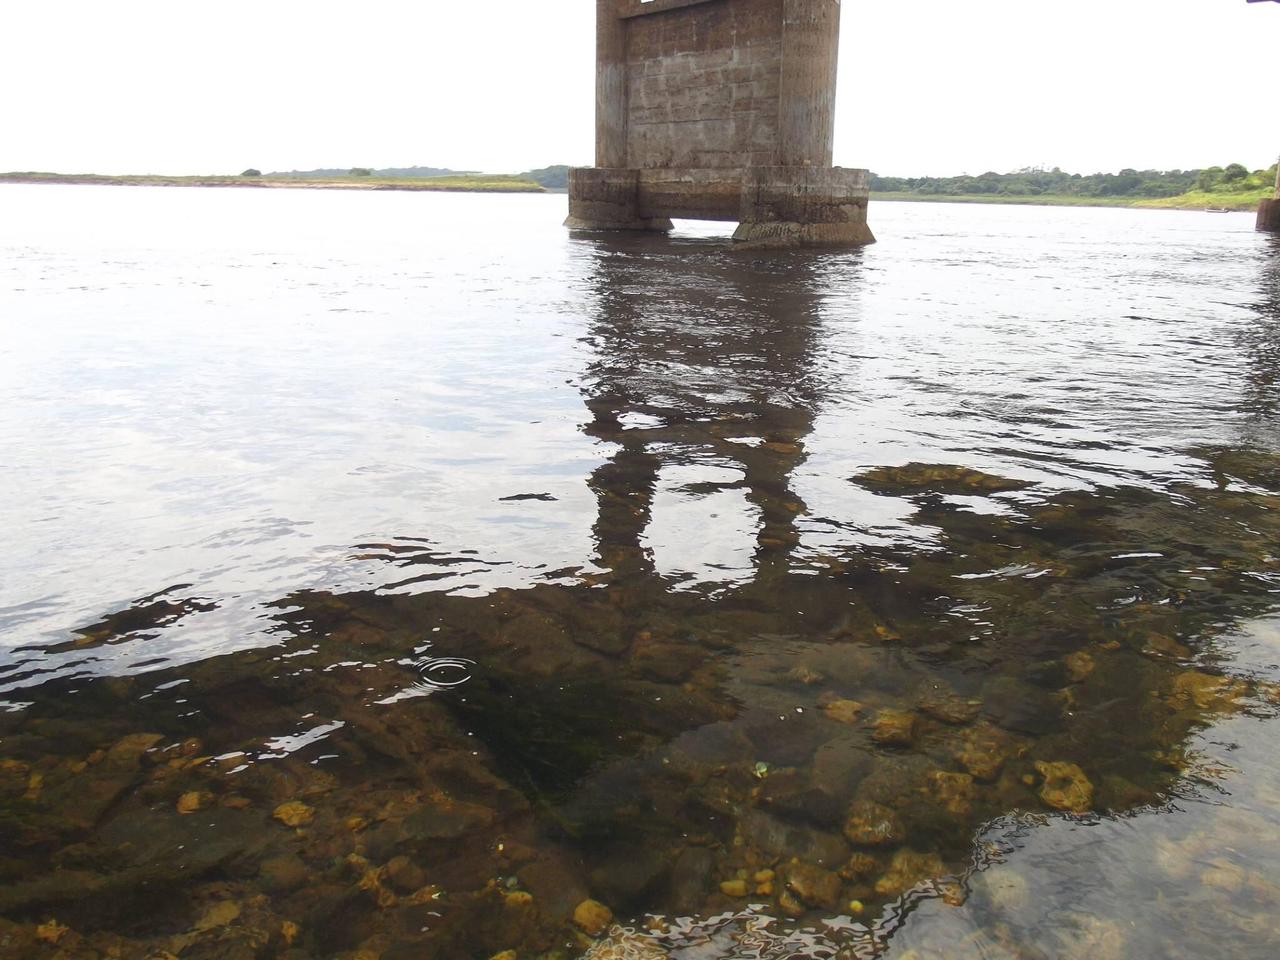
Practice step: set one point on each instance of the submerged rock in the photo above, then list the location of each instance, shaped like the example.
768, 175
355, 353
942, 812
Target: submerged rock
935, 478
872, 825
945, 705
1065, 787
592, 917
779, 839
294, 813
814, 886
894, 728
1080, 665
906, 870
985, 751
843, 711
955, 791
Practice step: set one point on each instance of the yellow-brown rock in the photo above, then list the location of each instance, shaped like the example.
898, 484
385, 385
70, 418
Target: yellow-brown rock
955, 791
859, 865
592, 917
189, 802
734, 888
872, 825
295, 813
219, 915
906, 870
894, 728
51, 931
843, 711
813, 885
790, 904
985, 750
1079, 664
1205, 691
1065, 787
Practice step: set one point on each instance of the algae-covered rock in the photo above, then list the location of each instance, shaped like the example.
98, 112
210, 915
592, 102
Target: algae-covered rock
592, 917
955, 791
1080, 665
1065, 786
812, 885
858, 866
1205, 691
294, 813
906, 870
872, 825
935, 478
945, 705
985, 751
843, 711
894, 728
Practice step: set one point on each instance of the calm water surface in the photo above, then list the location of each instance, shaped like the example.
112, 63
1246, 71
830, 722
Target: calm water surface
396, 576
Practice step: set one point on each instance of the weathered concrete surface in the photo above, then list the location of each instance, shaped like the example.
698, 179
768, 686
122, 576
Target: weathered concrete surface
608, 199
719, 110
810, 206
1269, 211
1269, 215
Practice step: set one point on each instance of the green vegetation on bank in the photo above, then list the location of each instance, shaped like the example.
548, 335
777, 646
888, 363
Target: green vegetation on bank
1232, 187
465, 183
552, 178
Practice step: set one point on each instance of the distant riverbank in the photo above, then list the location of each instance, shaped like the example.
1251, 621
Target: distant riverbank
463, 183
516, 183
1194, 200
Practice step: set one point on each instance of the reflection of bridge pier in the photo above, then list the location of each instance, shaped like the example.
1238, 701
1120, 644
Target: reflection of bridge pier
706, 404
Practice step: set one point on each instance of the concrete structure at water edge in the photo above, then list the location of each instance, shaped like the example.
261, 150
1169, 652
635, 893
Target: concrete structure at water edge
1269, 210
719, 110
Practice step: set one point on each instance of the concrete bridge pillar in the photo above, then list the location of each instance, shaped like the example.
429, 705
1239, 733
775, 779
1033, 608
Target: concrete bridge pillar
1269, 211
719, 110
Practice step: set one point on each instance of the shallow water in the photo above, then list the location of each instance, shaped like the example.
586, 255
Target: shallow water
388, 574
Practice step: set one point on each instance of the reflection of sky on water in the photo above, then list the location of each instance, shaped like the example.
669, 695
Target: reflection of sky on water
235, 414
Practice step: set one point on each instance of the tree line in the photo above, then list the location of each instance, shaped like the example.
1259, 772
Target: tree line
1036, 181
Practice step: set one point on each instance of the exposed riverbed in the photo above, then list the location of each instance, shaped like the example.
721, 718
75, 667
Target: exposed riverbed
396, 576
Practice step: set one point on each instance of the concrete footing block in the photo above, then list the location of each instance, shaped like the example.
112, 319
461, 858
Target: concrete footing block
804, 206
775, 206
604, 198
1269, 215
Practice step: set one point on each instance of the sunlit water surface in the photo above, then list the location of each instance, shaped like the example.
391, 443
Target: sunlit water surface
389, 574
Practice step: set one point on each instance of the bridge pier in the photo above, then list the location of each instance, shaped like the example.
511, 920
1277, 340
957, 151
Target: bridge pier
719, 110
1269, 210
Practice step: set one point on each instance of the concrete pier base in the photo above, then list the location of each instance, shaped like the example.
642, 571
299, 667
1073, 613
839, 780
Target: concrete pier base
1269, 215
804, 206
774, 206
608, 199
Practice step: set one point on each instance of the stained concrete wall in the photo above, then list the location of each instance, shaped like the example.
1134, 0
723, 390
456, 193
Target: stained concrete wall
722, 84
703, 85
720, 110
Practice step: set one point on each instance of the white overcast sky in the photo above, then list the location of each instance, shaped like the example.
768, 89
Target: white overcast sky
926, 86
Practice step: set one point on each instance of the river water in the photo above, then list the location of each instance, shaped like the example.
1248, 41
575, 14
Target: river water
394, 575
